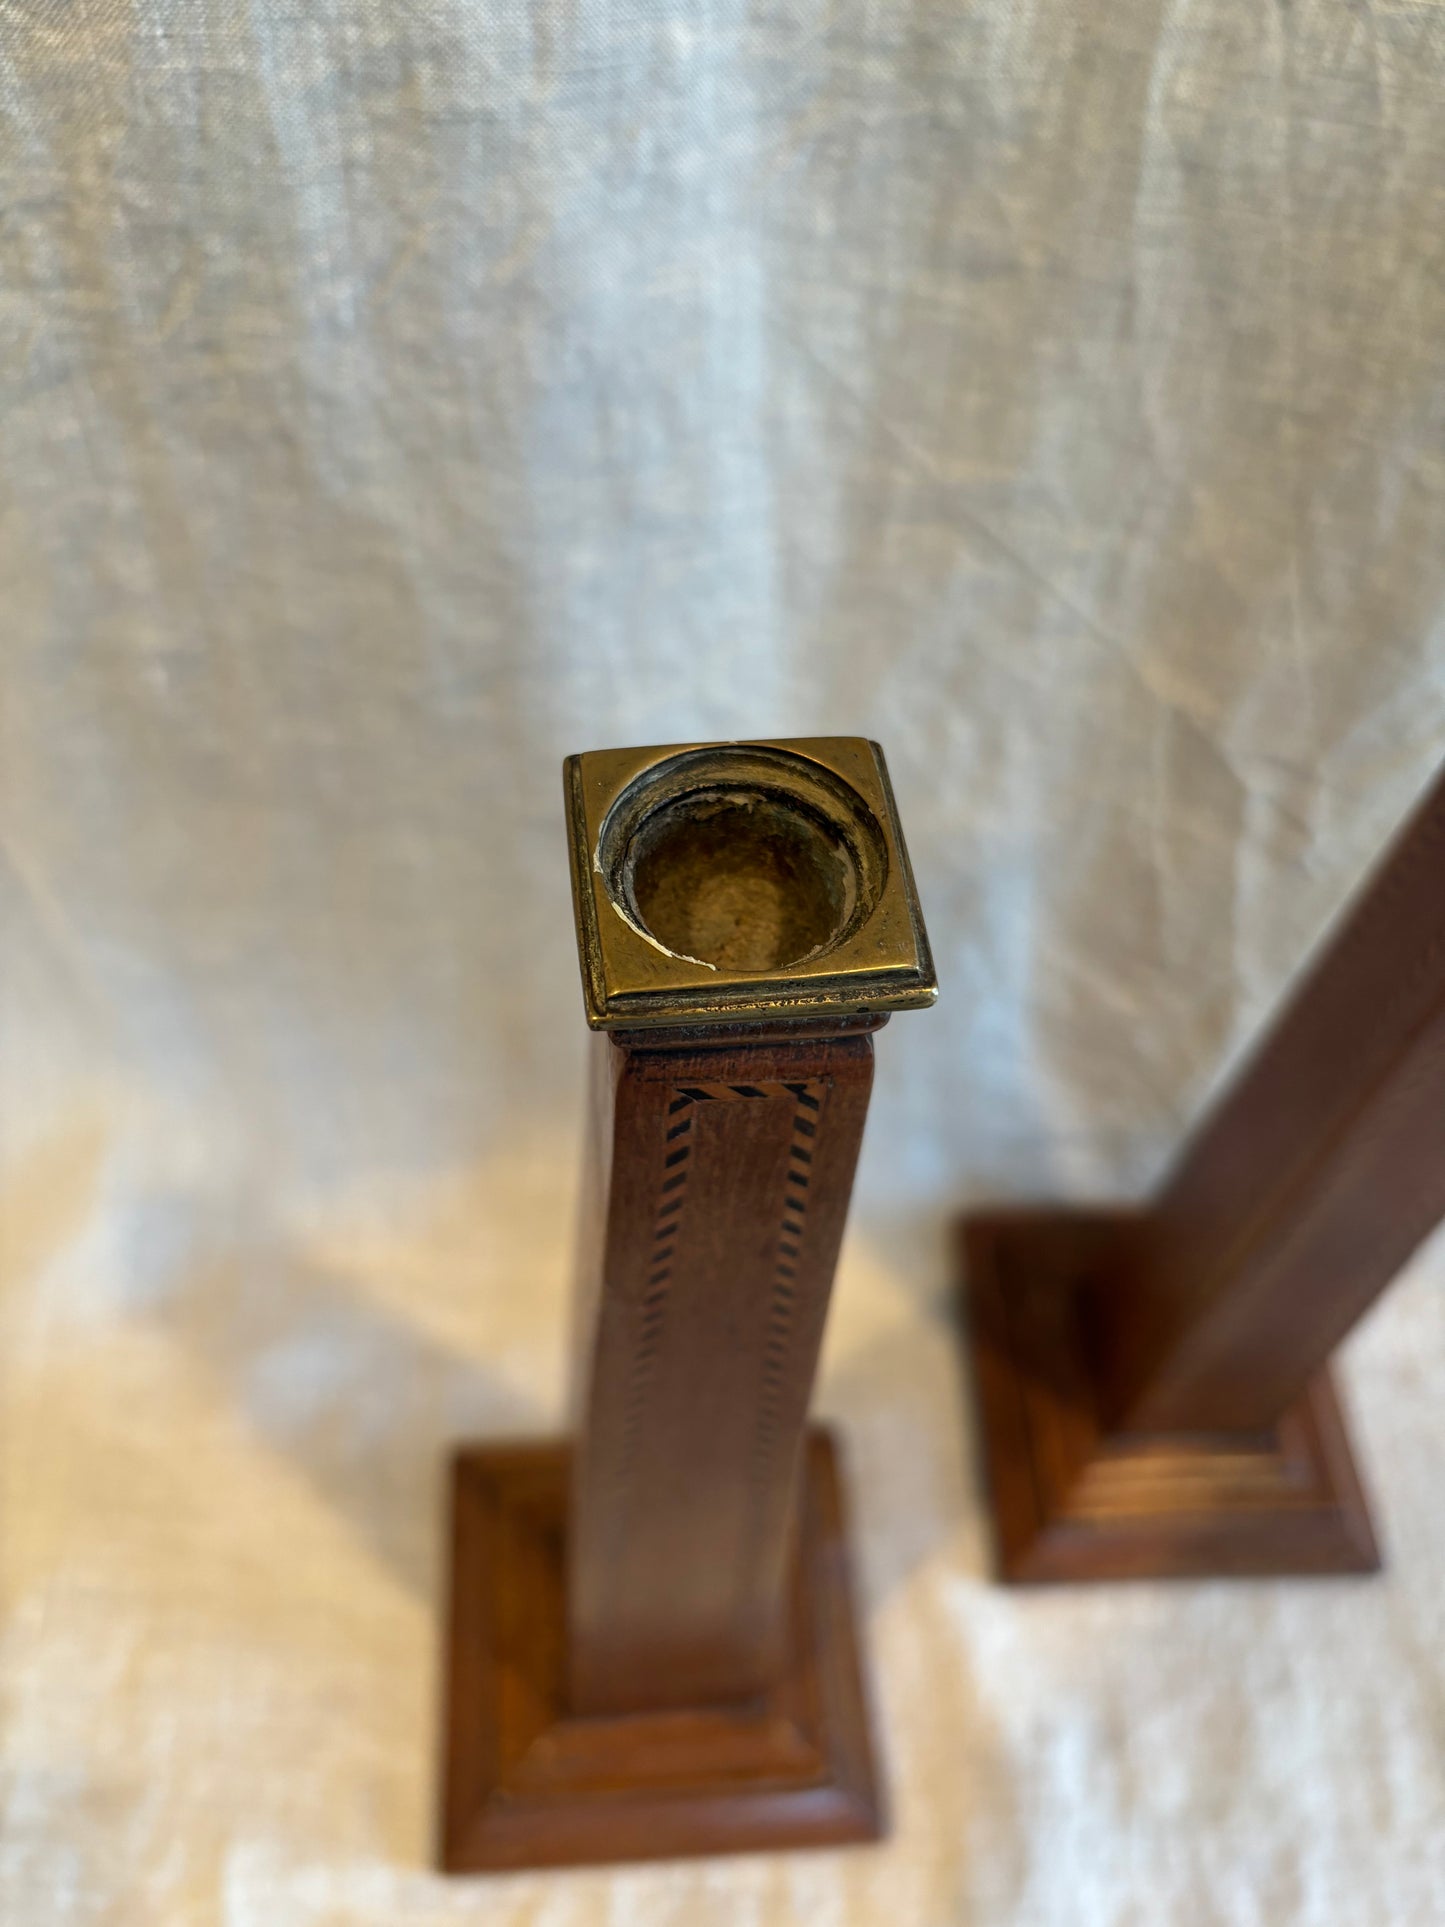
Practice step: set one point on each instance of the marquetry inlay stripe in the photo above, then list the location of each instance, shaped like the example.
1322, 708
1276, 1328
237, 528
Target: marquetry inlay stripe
658, 1281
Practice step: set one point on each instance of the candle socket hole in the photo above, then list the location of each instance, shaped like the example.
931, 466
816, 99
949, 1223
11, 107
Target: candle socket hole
741, 879
742, 857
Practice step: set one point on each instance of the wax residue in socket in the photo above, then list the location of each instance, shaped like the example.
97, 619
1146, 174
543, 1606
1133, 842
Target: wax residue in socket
646, 935
736, 879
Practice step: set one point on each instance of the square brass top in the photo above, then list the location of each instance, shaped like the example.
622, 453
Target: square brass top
742, 882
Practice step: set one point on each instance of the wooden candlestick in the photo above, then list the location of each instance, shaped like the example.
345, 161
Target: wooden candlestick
1154, 1393
652, 1646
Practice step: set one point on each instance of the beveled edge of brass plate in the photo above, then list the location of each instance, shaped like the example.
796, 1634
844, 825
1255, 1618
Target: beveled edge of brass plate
629, 983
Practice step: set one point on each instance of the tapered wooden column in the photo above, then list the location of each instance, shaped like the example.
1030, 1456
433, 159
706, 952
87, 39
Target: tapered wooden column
730, 1171
1154, 1392
652, 1647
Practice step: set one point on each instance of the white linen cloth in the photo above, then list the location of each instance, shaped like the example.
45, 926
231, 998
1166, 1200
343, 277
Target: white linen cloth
398, 394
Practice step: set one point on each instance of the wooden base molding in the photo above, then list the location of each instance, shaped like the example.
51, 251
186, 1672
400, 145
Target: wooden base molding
528, 1783
1071, 1501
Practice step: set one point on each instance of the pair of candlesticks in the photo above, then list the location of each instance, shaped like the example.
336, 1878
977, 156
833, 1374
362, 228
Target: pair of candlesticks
652, 1649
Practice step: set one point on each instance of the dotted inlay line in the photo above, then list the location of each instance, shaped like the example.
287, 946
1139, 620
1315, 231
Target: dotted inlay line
778, 1339
676, 1165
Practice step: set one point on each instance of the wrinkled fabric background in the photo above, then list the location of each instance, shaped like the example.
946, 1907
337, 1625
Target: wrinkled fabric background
399, 394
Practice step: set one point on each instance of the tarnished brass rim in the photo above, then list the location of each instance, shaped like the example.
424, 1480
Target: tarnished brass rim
861, 945
738, 775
